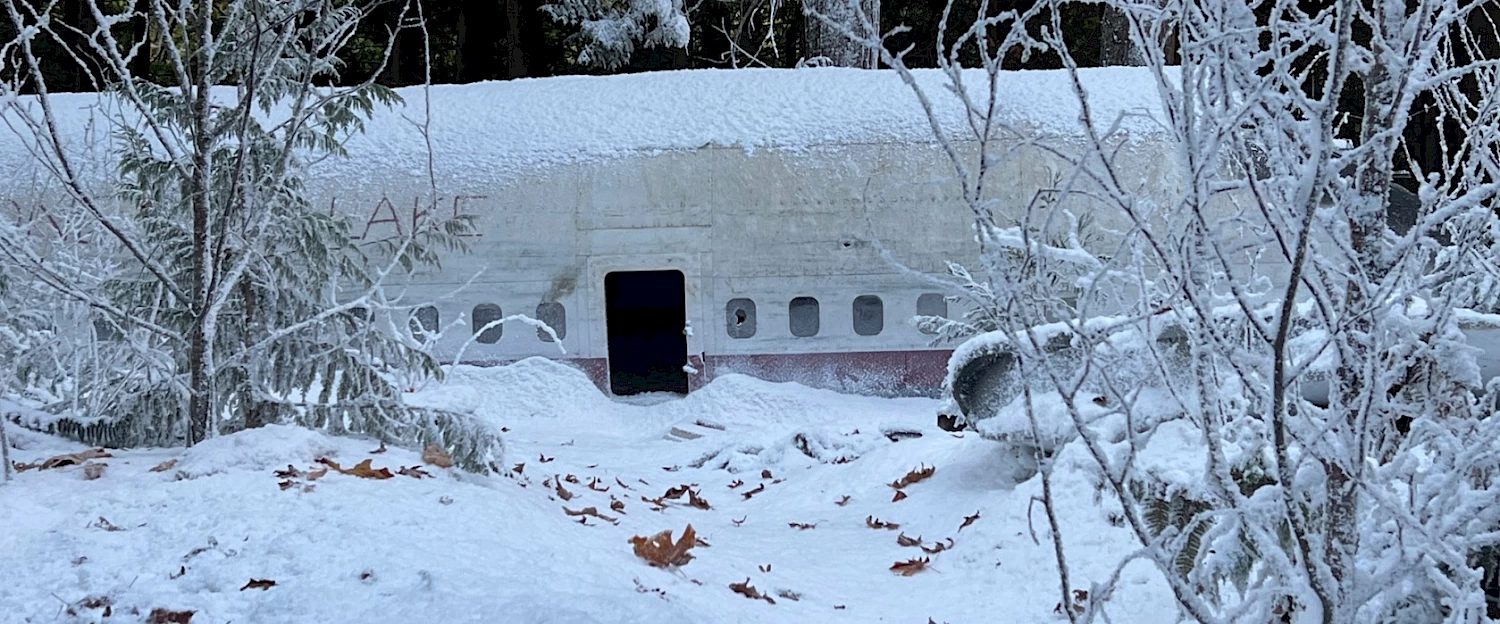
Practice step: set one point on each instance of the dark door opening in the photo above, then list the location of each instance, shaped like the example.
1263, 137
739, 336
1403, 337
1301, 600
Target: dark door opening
645, 316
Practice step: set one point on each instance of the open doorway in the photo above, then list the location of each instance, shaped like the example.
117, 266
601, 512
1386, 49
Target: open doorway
645, 315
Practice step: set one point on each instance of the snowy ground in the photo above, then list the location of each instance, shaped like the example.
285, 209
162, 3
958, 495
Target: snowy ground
462, 548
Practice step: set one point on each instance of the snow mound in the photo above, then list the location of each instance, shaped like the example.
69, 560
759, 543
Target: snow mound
531, 388
266, 448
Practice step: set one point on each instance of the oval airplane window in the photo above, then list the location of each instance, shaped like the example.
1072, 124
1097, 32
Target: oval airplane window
739, 318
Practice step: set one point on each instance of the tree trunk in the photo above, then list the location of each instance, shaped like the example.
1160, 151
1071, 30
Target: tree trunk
1115, 46
512, 49
4, 451
478, 28
200, 365
826, 44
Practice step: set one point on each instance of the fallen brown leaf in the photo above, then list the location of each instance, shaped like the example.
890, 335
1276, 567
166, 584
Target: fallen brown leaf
181, 572
167, 616
938, 547
802, 526
900, 496
617, 505
70, 459
379, 450
572, 479
291, 472
876, 523
434, 455
414, 472
660, 551
562, 492
364, 471
165, 466
591, 511
789, 595
540, 458
765, 473
657, 504
842, 501
102, 523
594, 485
738, 522
519, 468
736, 483
910, 566
314, 475
907, 542
287, 484
917, 475
671, 468
765, 569
93, 470
746, 590
968, 520
698, 502
261, 584
622, 484
758, 489
702, 542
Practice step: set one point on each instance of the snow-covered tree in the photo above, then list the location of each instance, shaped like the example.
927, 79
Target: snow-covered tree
198, 290
1347, 451
610, 30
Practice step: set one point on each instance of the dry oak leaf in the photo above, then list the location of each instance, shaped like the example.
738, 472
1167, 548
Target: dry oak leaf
70, 459
910, 566
746, 590
750, 493
562, 492
917, 475
968, 520
736, 483
616, 505
314, 475
876, 523
287, 484
594, 485
519, 469
93, 471
261, 584
591, 511
543, 458
165, 466
364, 471
435, 455
291, 472
379, 450
842, 501
900, 496
167, 616
414, 472
660, 551
938, 547
698, 502
907, 542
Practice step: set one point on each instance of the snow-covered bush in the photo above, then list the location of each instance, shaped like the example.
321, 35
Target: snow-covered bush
199, 290
1374, 502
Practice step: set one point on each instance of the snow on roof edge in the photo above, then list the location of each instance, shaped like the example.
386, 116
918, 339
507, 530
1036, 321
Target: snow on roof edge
497, 131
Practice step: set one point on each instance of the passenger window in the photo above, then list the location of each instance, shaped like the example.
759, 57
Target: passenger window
802, 317
484, 314
739, 318
869, 315
424, 321
932, 304
555, 316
